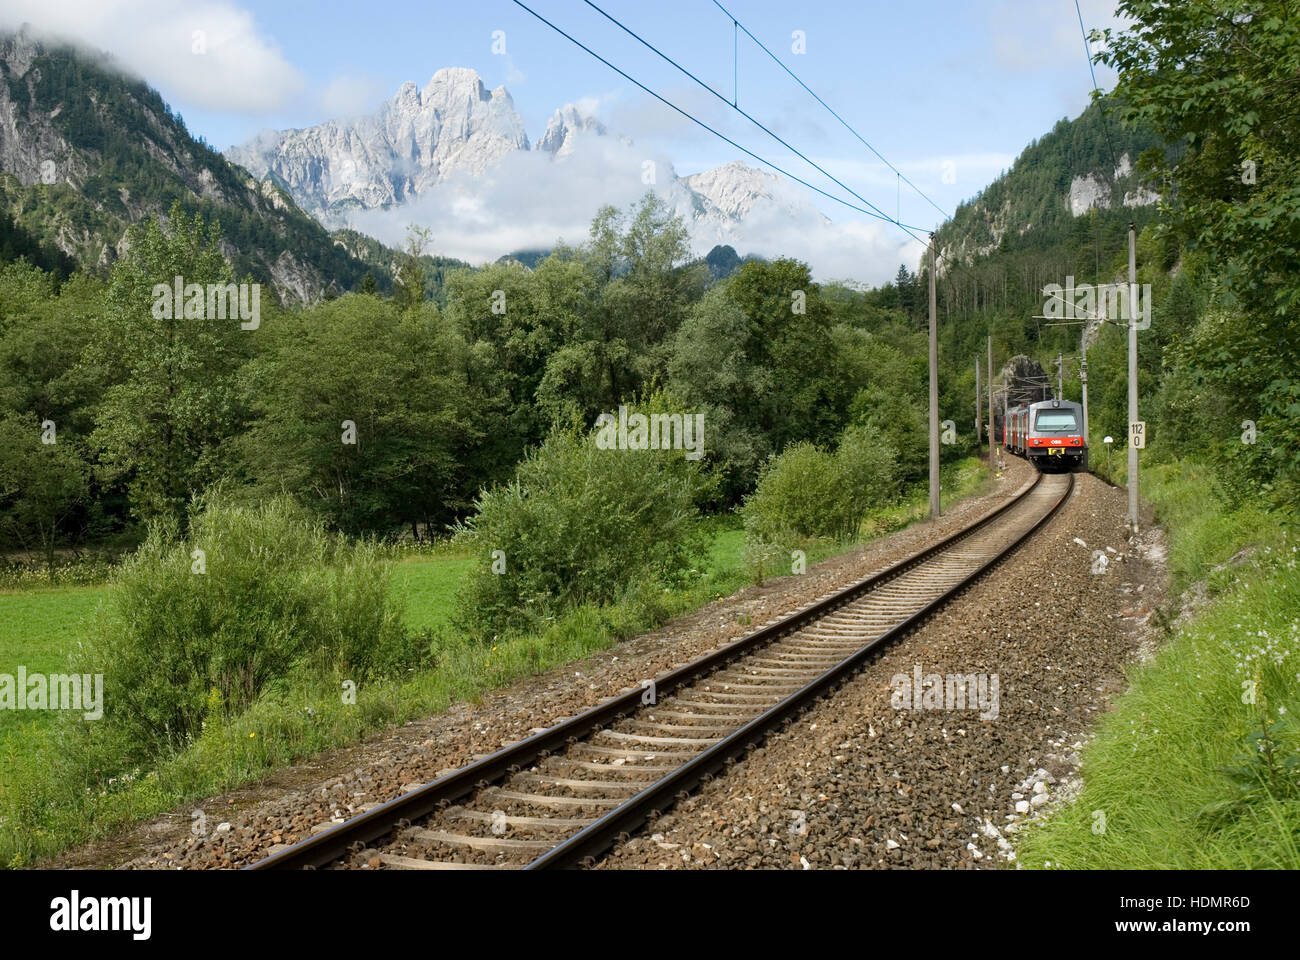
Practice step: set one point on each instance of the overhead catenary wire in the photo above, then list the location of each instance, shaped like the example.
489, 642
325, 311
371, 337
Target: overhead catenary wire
735, 63
845, 123
650, 46
873, 212
1087, 48
949, 217
830, 196
898, 173
1110, 148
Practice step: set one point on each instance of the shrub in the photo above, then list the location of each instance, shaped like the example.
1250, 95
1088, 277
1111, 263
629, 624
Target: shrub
868, 466
179, 647
809, 492
903, 422
579, 524
800, 494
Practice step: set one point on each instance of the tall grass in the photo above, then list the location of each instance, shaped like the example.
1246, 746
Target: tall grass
195, 631
59, 792
256, 614
1198, 766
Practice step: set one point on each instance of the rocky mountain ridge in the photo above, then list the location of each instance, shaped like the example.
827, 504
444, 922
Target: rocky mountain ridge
456, 128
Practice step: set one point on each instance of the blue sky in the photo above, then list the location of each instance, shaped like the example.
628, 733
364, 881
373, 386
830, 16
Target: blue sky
937, 87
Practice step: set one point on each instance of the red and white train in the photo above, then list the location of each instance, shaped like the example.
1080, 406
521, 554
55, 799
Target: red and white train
1049, 434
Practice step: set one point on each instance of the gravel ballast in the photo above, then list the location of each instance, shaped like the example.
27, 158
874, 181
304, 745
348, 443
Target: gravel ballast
288, 805
864, 779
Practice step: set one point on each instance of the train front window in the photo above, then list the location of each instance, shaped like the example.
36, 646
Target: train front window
1055, 420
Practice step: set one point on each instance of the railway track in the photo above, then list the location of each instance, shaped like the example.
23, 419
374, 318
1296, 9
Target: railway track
570, 792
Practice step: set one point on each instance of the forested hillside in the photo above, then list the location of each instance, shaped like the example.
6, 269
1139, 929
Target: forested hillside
1207, 181
86, 151
452, 373
286, 463
446, 398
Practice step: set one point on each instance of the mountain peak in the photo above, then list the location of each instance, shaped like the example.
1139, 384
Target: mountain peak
19, 49
734, 188
564, 126
455, 128
452, 81
124, 135
415, 140
408, 93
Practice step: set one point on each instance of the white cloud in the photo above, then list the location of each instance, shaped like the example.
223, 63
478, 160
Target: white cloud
867, 251
655, 122
528, 201
351, 95
1038, 37
525, 201
208, 53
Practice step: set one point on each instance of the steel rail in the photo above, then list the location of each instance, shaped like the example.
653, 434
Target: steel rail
622, 820
329, 845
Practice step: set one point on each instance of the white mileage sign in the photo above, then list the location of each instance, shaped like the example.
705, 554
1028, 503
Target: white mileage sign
1137, 434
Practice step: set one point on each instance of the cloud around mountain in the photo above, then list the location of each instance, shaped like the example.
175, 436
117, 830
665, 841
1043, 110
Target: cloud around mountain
207, 52
527, 201
455, 157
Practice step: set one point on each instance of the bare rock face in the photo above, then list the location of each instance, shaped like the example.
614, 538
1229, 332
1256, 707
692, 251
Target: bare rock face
296, 282
1141, 197
1022, 379
564, 128
1097, 190
30, 147
415, 140
1087, 192
456, 127
733, 190
36, 150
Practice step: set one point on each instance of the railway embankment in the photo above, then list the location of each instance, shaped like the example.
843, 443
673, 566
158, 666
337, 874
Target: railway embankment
884, 774
244, 824
1198, 764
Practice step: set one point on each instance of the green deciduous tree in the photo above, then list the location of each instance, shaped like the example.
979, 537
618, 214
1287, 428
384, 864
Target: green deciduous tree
361, 414
410, 288
1222, 79
621, 341
41, 485
170, 386
759, 353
